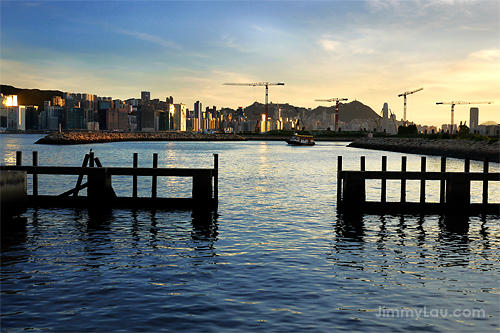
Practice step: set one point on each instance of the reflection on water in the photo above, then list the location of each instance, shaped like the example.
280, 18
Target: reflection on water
276, 257
350, 227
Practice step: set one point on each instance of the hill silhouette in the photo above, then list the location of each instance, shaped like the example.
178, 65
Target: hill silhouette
347, 111
30, 96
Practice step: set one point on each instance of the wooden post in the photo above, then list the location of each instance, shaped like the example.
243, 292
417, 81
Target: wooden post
19, 158
383, 194
97, 162
458, 191
100, 189
362, 163
339, 180
216, 178
91, 159
442, 185
403, 179
80, 177
354, 189
35, 176
134, 177
202, 188
467, 164
485, 182
153, 182
423, 165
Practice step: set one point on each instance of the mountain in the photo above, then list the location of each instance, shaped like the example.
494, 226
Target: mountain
30, 96
349, 111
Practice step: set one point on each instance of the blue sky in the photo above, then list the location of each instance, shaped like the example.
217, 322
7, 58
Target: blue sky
365, 50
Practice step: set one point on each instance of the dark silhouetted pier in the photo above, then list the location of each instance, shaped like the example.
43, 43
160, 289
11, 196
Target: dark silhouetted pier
100, 192
454, 190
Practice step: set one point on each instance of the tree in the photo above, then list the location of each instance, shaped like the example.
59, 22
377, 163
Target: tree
463, 130
410, 129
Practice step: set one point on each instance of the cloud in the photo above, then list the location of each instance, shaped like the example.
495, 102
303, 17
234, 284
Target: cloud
147, 37
486, 55
329, 45
359, 46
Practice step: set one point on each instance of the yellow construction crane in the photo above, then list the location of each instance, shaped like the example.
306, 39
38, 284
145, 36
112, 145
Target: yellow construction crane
266, 84
337, 100
404, 94
453, 109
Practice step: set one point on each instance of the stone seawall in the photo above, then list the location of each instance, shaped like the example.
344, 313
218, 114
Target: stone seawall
263, 137
475, 150
76, 138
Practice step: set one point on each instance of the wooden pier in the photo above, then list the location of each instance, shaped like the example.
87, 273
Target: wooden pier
454, 190
100, 192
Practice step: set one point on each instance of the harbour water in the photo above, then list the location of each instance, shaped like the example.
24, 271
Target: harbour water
275, 258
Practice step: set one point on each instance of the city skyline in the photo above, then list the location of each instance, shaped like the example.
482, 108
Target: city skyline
370, 51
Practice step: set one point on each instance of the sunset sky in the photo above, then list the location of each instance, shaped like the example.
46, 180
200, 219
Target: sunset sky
370, 51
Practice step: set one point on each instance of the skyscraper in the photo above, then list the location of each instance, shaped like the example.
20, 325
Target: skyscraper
145, 97
197, 121
180, 117
474, 118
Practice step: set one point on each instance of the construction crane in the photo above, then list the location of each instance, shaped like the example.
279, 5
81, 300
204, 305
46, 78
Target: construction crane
404, 94
266, 84
336, 100
453, 109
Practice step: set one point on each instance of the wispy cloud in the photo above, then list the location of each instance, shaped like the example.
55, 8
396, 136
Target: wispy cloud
329, 45
486, 55
343, 47
148, 37
230, 42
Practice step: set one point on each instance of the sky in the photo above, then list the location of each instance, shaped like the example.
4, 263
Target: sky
370, 51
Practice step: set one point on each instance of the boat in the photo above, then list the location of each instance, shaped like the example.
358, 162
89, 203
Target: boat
301, 140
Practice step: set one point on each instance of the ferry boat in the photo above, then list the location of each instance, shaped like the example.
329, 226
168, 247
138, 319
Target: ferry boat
301, 140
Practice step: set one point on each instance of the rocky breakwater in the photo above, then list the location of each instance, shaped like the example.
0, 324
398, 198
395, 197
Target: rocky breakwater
475, 150
77, 138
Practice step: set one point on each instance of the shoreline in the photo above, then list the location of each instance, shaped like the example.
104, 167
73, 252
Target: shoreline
76, 138
475, 150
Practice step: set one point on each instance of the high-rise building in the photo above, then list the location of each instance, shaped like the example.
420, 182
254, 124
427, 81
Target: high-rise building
31, 117
57, 100
16, 116
145, 119
180, 117
145, 97
474, 118
197, 109
74, 118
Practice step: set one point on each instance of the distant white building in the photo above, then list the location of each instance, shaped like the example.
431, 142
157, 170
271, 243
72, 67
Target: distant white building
446, 128
180, 117
16, 116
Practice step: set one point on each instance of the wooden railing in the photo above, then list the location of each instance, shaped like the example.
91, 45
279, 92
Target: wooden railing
100, 190
454, 189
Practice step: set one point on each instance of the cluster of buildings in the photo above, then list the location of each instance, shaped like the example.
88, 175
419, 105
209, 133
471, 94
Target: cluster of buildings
77, 111
90, 112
